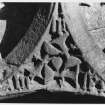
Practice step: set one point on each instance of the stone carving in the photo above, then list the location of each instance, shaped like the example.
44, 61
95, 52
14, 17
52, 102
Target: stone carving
61, 61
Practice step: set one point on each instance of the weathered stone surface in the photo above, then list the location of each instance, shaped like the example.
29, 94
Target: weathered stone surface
59, 70
49, 74
99, 37
50, 49
91, 51
72, 61
57, 62
69, 74
60, 41
92, 16
31, 38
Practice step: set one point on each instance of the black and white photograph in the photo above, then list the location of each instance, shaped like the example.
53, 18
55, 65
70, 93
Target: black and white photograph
52, 52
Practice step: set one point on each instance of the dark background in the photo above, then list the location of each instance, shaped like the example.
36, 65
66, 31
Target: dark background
43, 96
19, 17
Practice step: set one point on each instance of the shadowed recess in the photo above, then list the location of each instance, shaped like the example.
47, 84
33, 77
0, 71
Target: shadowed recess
26, 23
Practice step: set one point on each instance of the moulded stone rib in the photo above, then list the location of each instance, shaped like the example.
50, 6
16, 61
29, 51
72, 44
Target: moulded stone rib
53, 25
85, 82
54, 18
59, 27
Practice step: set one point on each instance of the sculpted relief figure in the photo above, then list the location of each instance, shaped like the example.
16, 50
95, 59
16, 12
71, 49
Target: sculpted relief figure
58, 47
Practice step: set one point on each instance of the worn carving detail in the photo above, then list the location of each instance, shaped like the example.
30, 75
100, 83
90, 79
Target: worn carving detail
58, 63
